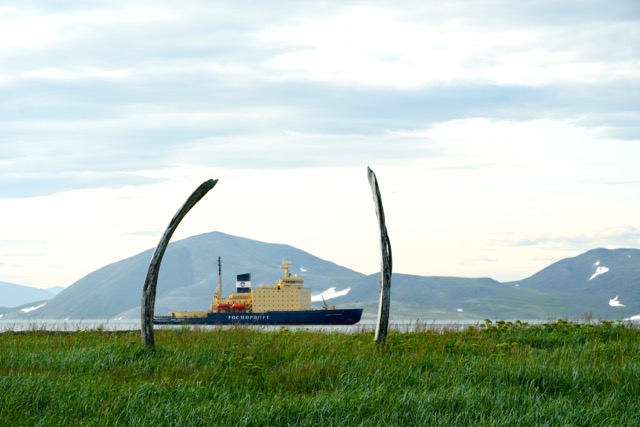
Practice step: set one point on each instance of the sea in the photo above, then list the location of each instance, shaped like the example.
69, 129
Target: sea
71, 325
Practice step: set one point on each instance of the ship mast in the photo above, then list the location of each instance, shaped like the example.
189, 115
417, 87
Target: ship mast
219, 288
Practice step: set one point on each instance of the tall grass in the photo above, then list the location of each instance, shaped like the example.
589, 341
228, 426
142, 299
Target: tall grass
502, 373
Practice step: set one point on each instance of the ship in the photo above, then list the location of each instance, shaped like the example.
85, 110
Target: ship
287, 302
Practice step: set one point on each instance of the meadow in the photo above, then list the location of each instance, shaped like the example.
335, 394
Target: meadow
490, 374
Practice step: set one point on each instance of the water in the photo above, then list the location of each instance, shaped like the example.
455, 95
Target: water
70, 325
134, 325
402, 325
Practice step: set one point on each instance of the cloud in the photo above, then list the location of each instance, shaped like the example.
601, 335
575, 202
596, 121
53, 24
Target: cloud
41, 184
480, 119
406, 49
617, 237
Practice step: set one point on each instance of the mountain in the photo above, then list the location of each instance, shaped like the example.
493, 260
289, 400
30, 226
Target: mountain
586, 283
55, 290
570, 288
188, 276
434, 297
14, 295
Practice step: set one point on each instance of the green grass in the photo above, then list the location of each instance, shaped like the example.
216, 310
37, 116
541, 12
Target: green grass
512, 374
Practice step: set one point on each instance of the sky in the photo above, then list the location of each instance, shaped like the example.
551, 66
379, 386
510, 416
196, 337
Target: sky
504, 137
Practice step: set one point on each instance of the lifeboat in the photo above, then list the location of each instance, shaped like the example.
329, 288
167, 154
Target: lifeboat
239, 307
224, 308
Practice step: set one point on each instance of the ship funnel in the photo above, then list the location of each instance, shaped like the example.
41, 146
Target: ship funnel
243, 283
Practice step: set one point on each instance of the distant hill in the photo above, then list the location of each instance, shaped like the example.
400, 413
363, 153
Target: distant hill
434, 297
571, 287
586, 283
14, 295
188, 276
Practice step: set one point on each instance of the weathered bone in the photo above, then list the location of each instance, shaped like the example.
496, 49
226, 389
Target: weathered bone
386, 265
151, 282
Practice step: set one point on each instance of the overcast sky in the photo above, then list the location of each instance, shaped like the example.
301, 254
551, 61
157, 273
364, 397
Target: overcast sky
504, 136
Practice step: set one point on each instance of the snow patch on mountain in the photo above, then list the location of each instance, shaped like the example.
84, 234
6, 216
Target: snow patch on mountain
615, 303
30, 309
600, 269
329, 294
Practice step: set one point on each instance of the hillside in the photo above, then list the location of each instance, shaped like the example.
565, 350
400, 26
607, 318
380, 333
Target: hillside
14, 295
187, 277
572, 287
434, 297
588, 282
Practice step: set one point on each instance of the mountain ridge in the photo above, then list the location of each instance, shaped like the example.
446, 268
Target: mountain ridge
15, 295
572, 287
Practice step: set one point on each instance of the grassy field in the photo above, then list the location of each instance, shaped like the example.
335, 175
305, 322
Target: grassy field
515, 374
